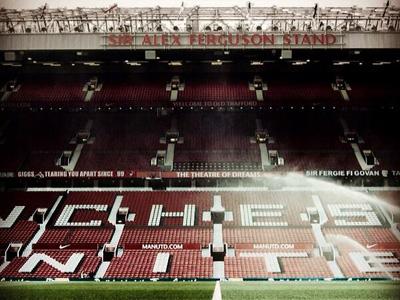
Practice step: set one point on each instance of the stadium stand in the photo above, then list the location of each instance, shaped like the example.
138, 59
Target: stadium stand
136, 91
18, 214
167, 234
220, 142
303, 90
304, 147
199, 143
213, 89
248, 265
268, 235
49, 90
134, 142
216, 88
85, 268
287, 212
181, 264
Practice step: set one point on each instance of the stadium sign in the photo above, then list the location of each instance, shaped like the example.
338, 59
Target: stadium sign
206, 40
350, 173
209, 40
162, 246
276, 246
194, 174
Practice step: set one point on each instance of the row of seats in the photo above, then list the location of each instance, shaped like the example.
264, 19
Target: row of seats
292, 205
21, 232
213, 166
220, 142
202, 236
86, 267
350, 269
139, 264
247, 243
140, 203
363, 236
20, 228
60, 91
268, 235
152, 90
189, 264
291, 267
286, 215
96, 236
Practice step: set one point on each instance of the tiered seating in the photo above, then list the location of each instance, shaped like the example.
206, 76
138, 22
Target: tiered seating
367, 241
220, 140
376, 247
221, 131
35, 141
303, 147
391, 197
84, 198
313, 160
79, 232
351, 241
97, 236
141, 204
362, 235
365, 91
171, 230
220, 158
216, 141
214, 166
139, 264
133, 91
290, 241
55, 236
22, 230
350, 269
15, 158
135, 140
349, 209
49, 90
298, 88
31, 201
86, 268
166, 235
293, 91
288, 204
291, 267
378, 137
268, 235
216, 89
261, 250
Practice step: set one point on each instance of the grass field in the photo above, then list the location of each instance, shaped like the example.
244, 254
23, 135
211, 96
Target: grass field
311, 290
103, 290
202, 290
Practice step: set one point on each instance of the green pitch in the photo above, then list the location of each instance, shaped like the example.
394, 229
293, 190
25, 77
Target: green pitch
310, 290
104, 290
202, 290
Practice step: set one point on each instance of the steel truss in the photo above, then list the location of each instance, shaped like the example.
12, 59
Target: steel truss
199, 19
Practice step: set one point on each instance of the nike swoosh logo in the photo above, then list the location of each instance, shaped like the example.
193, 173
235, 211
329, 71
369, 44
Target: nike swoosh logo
371, 246
64, 246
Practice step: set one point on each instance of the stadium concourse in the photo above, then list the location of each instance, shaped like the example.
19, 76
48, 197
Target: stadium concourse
200, 144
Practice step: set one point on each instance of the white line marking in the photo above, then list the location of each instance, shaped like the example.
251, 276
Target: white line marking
217, 291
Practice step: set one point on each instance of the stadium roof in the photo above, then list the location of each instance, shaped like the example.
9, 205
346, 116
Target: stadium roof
30, 4
199, 18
